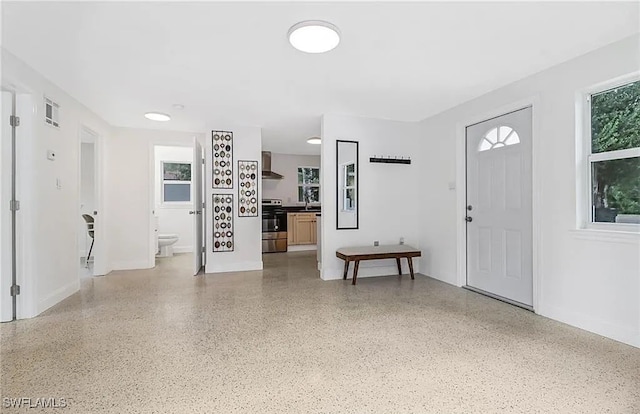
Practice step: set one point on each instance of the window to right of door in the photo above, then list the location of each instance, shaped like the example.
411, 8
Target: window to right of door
614, 157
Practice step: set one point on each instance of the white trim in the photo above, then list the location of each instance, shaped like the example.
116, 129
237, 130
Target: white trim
302, 247
586, 322
244, 266
607, 235
28, 279
58, 295
132, 265
615, 155
461, 194
584, 157
183, 249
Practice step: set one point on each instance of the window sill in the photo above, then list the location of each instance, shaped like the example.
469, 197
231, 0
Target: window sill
607, 235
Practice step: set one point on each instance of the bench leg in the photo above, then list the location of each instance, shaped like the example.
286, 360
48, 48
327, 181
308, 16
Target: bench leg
355, 272
399, 266
410, 260
346, 270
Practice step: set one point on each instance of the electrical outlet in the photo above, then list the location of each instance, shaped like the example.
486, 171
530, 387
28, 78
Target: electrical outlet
376, 243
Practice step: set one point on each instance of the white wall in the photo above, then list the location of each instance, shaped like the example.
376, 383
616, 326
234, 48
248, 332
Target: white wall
247, 254
48, 215
174, 218
130, 193
586, 278
287, 165
388, 208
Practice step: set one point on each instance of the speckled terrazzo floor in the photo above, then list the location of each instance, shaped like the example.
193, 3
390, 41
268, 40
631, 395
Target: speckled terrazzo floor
283, 341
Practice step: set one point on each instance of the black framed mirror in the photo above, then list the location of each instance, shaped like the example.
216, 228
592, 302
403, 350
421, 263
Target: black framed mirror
347, 182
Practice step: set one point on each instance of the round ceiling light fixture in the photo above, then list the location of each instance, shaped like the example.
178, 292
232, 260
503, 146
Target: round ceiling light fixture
314, 36
314, 140
157, 116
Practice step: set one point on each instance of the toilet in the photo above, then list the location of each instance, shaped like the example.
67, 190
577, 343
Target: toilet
165, 244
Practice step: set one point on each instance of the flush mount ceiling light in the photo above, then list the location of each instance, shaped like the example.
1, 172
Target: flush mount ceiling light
157, 116
314, 141
314, 36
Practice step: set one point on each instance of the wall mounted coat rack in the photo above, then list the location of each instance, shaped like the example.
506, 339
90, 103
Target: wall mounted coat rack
389, 160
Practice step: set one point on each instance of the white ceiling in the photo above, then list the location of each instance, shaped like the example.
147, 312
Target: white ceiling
230, 63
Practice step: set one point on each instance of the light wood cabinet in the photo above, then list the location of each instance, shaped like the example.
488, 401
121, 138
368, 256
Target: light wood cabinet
301, 228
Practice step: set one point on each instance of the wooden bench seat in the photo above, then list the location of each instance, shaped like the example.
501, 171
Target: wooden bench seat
396, 251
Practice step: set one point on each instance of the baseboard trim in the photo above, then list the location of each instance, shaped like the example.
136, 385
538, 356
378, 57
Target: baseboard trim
58, 296
335, 274
246, 266
599, 327
131, 265
302, 248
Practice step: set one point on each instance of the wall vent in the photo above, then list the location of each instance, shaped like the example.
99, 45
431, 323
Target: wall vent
51, 113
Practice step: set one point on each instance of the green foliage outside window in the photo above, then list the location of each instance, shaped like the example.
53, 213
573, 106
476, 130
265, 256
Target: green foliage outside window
615, 125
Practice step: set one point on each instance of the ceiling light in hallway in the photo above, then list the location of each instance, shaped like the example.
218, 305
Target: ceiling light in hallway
314, 140
157, 116
314, 36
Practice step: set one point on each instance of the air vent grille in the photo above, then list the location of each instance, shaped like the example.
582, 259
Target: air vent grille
51, 113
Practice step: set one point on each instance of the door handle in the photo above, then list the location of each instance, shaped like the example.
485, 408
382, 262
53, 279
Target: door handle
198, 212
468, 219
192, 212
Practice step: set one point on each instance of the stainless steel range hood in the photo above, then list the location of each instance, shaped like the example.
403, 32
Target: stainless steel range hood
267, 174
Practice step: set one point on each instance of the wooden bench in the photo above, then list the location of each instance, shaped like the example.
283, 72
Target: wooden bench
356, 254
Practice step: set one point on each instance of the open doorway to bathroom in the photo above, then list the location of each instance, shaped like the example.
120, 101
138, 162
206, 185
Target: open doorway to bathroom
89, 245
176, 194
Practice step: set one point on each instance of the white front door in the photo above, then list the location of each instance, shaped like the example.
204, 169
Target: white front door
499, 206
197, 207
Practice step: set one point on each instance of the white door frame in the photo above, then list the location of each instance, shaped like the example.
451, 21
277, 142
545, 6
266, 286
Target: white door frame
152, 189
100, 260
27, 109
461, 193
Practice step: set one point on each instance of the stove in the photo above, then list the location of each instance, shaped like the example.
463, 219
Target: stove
274, 226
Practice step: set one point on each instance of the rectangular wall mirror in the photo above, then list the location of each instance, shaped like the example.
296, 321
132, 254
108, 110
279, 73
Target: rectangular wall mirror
347, 183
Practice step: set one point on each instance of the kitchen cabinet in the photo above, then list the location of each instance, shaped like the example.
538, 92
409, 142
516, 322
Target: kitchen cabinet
301, 228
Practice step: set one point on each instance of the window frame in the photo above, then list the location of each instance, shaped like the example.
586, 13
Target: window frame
175, 204
345, 187
585, 210
307, 185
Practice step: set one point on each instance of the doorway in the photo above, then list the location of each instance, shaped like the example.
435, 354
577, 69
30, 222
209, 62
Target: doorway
88, 191
499, 216
177, 225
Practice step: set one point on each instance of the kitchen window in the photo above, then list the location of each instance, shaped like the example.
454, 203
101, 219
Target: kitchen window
613, 135
176, 182
308, 184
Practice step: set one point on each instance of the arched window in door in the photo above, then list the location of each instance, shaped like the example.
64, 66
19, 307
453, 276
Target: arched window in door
497, 137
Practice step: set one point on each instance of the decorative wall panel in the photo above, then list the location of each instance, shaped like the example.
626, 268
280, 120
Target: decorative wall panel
222, 156
223, 223
248, 188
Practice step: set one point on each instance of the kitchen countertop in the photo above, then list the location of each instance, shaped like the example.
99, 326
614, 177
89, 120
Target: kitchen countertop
301, 209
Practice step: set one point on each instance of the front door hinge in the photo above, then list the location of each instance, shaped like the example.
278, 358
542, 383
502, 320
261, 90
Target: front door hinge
203, 204
203, 249
14, 205
15, 290
203, 160
14, 121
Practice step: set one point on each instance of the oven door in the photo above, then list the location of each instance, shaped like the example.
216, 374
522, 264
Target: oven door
274, 221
